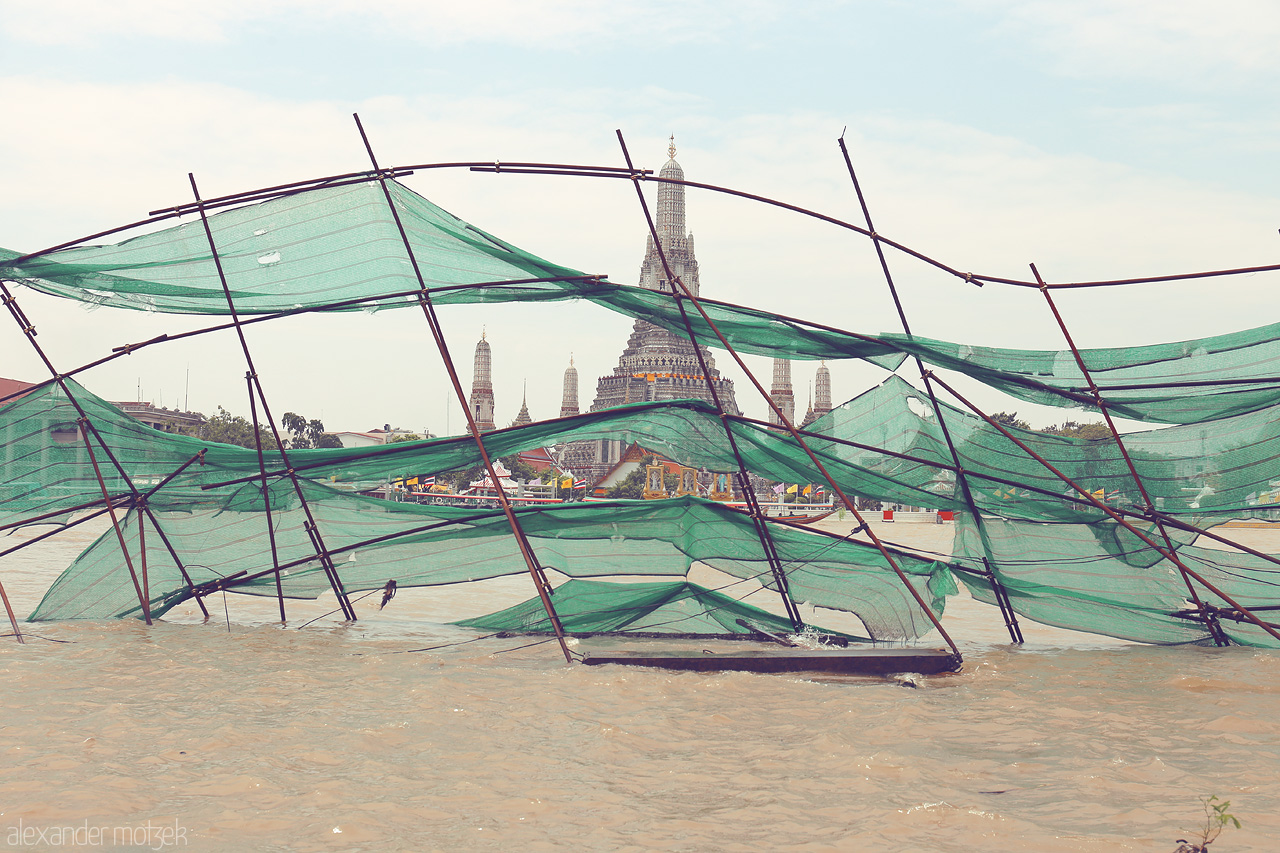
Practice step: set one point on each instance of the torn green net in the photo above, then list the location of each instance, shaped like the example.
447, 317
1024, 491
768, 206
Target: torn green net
373, 541
1102, 579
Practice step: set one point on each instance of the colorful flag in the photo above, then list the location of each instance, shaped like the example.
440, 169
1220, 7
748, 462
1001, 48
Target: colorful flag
579, 484
792, 489
566, 483
413, 481
808, 490
428, 481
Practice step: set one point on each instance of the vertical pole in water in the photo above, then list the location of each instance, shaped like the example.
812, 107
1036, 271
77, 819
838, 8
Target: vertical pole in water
997, 588
143, 601
744, 478
266, 496
437, 334
1169, 555
786, 422
85, 426
13, 620
313, 531
142, 555
140, 503
1210, 621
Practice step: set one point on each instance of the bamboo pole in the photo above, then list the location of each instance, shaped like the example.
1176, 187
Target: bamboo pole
115, 523
997, 588
786, 422
437, 334
1210, 622
313, 532
13, 620
266, 499
744, 478
1115, 516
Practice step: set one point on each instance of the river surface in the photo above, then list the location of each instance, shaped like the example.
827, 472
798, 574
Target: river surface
342, 737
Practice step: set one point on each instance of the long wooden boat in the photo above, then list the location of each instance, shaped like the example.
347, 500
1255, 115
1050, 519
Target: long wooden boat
845, 661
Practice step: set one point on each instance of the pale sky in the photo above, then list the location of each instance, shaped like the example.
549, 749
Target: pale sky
1096, 139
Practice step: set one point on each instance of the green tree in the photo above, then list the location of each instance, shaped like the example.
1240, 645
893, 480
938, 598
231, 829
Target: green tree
408, 436
1010, 419
307, 433
226, 428
519, 469
1071, 429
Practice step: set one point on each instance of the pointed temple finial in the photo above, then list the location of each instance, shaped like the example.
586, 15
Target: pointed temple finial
524, 417
671, 149
481, 400
483, 332
569, 400
781, 392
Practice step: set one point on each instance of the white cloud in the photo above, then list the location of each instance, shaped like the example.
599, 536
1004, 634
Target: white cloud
560, 24
96, 155
1198, 44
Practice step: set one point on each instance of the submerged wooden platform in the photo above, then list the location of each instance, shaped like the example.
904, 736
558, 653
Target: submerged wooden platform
847, 661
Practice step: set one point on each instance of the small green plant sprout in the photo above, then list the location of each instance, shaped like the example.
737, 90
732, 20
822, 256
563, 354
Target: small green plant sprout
1216, 819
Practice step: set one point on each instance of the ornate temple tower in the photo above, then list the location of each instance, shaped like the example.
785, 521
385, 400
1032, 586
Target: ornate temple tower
677, 245
781, 392
569, 399
523, 418
822, 391
809, 416
482, 386
657, 364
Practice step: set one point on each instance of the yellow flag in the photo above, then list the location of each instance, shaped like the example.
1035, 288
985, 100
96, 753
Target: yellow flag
1100, 494
566, 483
808, 490
413, 482
792, 490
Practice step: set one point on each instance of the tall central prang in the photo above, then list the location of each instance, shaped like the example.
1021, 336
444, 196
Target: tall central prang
657, 364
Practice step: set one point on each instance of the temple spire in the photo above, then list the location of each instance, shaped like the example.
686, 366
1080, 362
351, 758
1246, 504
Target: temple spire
822, 390
810, 416
673, 233
781, 394
523, 418
569, 399
656, 364
481, 401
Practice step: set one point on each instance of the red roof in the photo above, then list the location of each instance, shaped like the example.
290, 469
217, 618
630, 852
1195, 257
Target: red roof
12, 386
538, 459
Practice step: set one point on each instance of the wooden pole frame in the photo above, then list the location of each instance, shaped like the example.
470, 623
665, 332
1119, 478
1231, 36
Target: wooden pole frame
255, 384
786, 423
530, 557
998, 590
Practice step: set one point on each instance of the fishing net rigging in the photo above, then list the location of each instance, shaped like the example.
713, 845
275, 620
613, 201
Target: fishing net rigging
342, 247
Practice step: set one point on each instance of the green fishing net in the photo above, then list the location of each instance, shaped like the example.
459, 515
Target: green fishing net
675, 607
1103, 579
373, 541
338, 248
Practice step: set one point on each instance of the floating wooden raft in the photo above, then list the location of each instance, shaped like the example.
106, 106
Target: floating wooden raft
848, 661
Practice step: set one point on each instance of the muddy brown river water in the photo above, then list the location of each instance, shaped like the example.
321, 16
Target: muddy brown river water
187, 735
